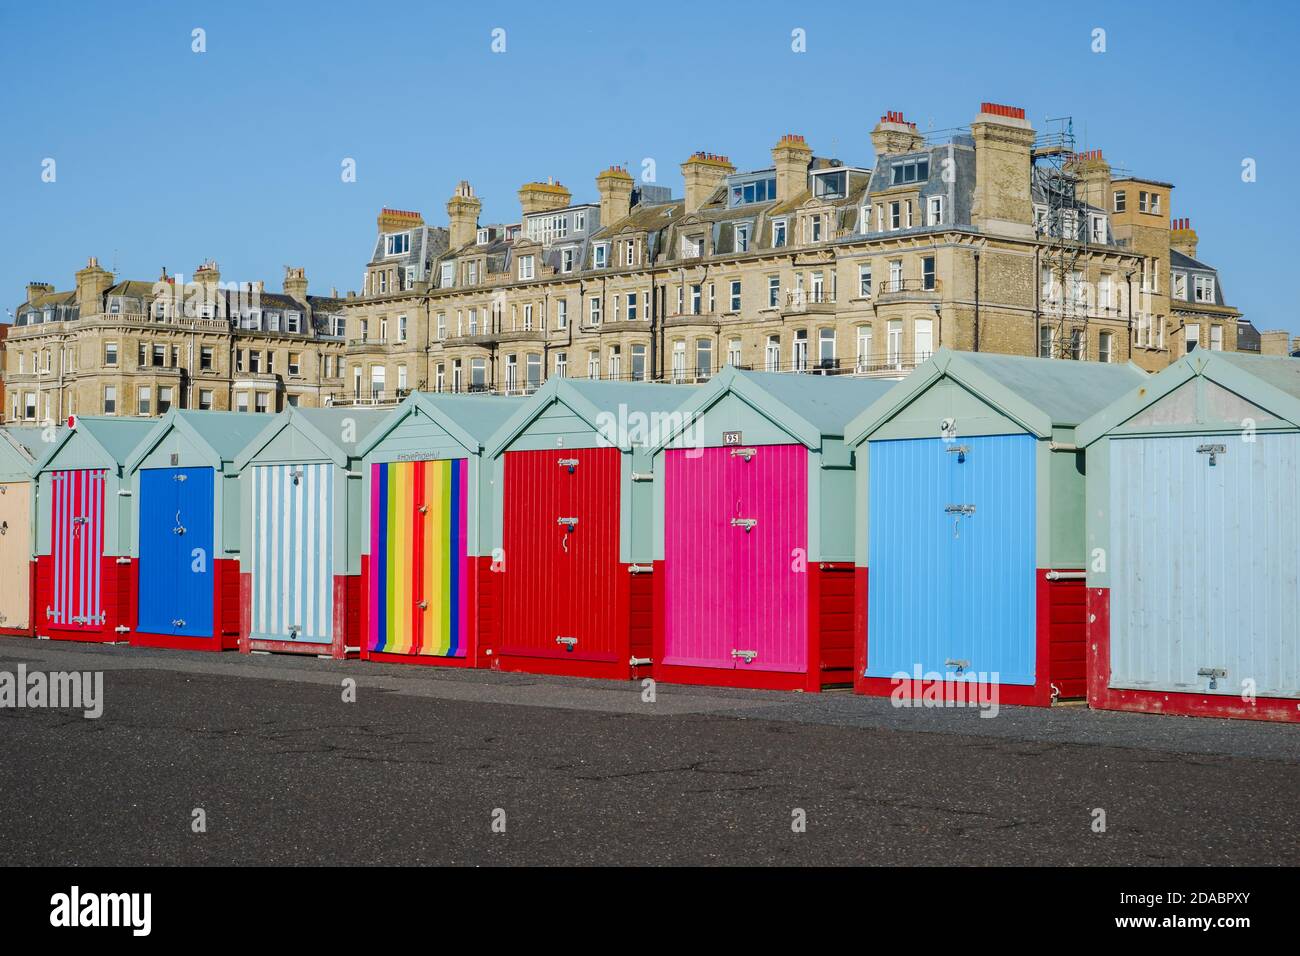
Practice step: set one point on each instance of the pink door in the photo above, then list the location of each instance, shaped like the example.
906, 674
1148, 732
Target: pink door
735, 546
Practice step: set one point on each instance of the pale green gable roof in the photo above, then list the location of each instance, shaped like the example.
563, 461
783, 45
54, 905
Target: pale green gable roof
224, 434
1040, 394
470, 419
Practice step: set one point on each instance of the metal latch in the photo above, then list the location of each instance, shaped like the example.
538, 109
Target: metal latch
81, 519
424, 509
178, 623
960, 666
296, 476
178, 477
293, 631
745, 453
1213, 673
746, 656
639, 569
423, 605
959, 451
958, 512
568, 643
569, 463
747, 523
569, 523
1213, 451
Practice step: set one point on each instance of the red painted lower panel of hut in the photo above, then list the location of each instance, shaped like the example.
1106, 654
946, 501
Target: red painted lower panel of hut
483, 618
1101, 696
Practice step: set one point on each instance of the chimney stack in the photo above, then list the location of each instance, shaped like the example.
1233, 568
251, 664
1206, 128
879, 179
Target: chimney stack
92, 282
542, 197
1004, 143
894, 134
615, 188
1183, 237
1094, 178
462, 215
703, 173
295, 283
37, 289
791, 156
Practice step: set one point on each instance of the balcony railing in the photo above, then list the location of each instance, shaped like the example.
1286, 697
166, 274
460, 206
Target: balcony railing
901, 286
809, 300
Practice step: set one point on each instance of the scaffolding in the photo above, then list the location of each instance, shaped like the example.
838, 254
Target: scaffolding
1063, 229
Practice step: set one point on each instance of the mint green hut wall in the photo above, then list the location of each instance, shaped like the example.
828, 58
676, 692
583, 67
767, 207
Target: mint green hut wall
1194, 516
96, 442
771, 408
22, 447
301, 520
200, 439
299, 436
580, 413
429, 426
956, 568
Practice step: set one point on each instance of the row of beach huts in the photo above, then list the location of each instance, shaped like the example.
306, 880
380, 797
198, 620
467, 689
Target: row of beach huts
1054, 530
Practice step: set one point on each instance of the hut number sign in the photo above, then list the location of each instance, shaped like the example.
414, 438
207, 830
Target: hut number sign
732, 438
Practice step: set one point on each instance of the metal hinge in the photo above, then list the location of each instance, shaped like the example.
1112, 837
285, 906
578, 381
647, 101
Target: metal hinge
1213, 451
122, 629
745, 453
747, 523
746, 656
569, 463
568, 643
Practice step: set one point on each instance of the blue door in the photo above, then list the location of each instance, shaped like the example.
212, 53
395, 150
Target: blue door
951, 552
176, 531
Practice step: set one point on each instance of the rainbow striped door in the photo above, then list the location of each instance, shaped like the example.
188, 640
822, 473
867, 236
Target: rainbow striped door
419, 573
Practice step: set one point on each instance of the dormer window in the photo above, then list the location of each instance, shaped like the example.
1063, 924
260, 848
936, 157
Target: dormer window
912, 171
757, 190
831, 185
1098, 234
448, 274
397, 244
580, 220
778, 233
525, 268
742, 237
629, 253
1180, 286
566, 260
692, 247
483, 237
114, 306
601, 253
934, 209
1203, 288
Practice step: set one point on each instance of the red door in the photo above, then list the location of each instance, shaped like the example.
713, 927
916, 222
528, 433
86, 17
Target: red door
77, 545
560, 532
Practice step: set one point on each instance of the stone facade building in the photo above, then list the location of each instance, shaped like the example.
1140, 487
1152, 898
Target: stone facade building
809, 264
994, 237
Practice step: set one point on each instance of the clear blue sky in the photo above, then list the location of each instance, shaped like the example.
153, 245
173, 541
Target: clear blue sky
166, 157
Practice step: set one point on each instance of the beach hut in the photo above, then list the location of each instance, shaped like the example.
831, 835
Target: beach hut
1194, 531
426, 567
572, 522
84, 515
21, 448
301, 512
186, 541
970, 536
753, 532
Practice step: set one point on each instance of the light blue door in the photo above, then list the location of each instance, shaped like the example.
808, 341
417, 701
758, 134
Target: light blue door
1205, 564
951, 558
176, 536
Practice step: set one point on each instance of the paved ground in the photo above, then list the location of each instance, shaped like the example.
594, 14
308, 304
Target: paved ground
586, 772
